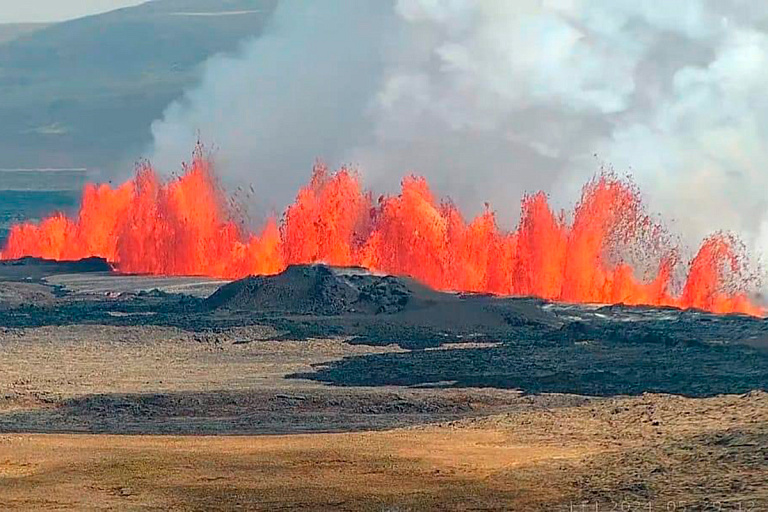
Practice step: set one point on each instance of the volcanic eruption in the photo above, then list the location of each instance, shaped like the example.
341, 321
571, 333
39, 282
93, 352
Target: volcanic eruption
607, 250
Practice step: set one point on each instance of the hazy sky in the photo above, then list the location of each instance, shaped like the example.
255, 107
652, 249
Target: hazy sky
16, 11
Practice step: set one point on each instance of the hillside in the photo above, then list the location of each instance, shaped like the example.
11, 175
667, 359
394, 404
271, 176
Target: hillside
11, 31
83, 93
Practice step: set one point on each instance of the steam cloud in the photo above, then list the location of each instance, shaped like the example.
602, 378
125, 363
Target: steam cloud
490, 99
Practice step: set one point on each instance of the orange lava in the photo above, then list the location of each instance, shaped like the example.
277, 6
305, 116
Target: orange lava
610, 252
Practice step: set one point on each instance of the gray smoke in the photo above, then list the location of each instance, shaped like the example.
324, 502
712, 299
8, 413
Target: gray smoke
490, 99
298, 93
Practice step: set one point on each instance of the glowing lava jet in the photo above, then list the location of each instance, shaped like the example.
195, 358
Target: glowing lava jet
610, 252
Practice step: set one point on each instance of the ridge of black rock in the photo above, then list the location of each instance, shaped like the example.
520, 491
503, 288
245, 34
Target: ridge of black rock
36, 268
323, 290
92, 264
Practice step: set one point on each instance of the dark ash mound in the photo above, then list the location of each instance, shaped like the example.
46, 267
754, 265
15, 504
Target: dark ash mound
309, 301
323, 290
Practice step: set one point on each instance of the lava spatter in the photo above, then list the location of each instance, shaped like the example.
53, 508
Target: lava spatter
187, 226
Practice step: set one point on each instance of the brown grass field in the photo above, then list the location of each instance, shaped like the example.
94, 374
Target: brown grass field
300, 445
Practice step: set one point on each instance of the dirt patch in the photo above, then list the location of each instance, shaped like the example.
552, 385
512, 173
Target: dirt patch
15, 294
637, 453
111, 284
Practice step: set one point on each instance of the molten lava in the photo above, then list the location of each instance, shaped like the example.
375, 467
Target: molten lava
611, 251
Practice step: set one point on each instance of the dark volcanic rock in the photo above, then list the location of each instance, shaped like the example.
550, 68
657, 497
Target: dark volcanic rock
322, 290
317, 301
37, 268
300, 289
92, 264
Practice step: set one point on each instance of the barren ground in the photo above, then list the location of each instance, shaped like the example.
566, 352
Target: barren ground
104, 416
390, 448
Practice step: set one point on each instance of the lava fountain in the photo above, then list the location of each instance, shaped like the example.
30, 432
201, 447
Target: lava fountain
610, 251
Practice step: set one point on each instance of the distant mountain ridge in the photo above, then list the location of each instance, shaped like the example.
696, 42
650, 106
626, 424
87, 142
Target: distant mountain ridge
11, 31
83, 93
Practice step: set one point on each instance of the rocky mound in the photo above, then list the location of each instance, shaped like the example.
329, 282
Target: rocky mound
323, 290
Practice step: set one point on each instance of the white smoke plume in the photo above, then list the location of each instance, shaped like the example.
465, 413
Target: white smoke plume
490, 99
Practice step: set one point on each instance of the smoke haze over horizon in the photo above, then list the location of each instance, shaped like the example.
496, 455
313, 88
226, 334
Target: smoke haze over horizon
51, 11
490, 100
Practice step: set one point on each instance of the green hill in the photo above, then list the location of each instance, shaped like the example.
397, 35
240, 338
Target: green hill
83, 93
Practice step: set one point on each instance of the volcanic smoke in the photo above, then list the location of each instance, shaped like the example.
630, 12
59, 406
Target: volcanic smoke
610, 251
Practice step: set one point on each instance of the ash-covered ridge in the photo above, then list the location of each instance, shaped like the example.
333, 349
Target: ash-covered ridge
324, 290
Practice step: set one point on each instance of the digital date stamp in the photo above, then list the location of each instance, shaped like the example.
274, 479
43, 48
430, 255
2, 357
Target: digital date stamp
676, 505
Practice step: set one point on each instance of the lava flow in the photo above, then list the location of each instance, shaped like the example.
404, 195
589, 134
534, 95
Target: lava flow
609, 251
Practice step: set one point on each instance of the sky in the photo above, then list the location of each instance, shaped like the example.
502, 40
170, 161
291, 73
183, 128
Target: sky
45, 11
